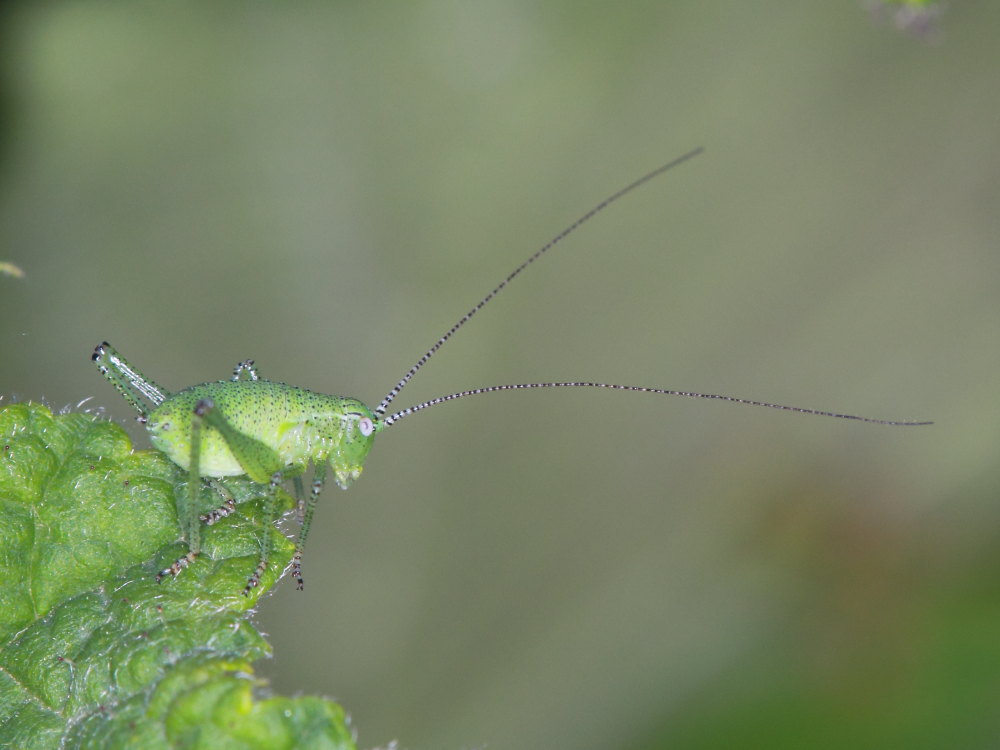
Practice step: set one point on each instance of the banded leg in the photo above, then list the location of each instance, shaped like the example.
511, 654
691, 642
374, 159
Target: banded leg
227, 507
188, 515
319, 478
270, 516
128, 381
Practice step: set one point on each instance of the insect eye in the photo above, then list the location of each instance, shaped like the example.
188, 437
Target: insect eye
366, 426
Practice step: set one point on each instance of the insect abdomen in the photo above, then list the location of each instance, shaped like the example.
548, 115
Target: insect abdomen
280, 416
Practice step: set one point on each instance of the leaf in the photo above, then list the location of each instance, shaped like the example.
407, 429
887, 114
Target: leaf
93, 652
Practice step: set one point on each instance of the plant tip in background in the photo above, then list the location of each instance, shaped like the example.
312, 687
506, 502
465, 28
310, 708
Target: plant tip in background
918, 18
9, 269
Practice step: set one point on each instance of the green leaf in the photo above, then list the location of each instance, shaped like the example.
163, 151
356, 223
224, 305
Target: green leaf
93, 652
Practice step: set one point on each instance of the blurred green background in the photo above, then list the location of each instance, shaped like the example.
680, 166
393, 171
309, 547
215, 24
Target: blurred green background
326, 187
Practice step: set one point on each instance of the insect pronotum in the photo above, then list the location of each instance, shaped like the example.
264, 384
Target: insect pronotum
271, 431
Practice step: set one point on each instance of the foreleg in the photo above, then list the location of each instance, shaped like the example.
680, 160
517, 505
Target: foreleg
319, 477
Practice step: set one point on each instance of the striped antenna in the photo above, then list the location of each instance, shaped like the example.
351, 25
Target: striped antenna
392, 419
380, 410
